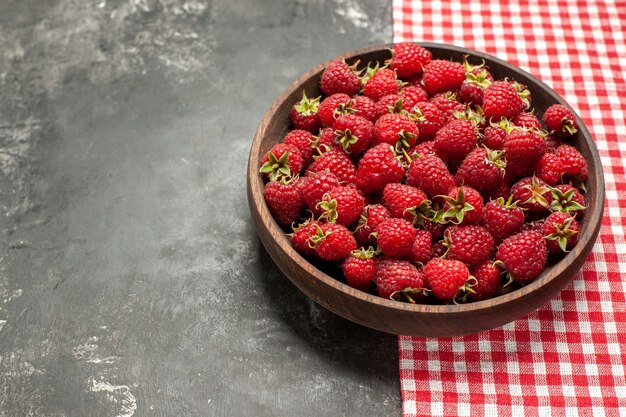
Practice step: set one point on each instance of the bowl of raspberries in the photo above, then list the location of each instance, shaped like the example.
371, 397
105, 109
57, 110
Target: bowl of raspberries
425, 189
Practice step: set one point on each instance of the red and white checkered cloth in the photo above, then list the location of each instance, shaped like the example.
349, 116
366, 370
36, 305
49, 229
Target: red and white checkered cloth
568, 358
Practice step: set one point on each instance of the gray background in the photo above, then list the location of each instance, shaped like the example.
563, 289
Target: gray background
131, 279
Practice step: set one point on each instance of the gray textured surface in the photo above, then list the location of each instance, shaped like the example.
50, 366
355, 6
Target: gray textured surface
131, 280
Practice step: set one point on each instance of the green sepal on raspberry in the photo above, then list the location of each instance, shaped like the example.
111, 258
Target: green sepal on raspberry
409, 294
276, 167
420, 213
537, 192
481, 79
306, 107
458, 207
345, 138
465, 290
475, 115
505, 125
405, 141
563, 233
564, 201
329, 207
523, 93
363, 253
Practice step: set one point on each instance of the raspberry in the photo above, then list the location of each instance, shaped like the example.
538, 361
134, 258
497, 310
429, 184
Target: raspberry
359, 269
394, 276
442, 75
560, 231
408, 59
342, 205
334, 242
377, 168
488, 282
395, 237
382, 83
284, 201
354, 133
328, 110
560, 121
372, 216
339, 77
282, 160
447, 278
468, 244
430, 174
523, 256
403, 201
396, 129
502, 219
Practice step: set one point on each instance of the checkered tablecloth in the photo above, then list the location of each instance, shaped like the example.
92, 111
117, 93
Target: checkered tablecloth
566, 359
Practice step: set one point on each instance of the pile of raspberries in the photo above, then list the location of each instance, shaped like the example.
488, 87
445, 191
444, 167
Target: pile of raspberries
426, 180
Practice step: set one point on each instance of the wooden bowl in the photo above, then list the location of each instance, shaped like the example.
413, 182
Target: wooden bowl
415, 319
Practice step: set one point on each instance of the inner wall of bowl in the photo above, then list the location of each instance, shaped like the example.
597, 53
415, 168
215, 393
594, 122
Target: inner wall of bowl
279, 124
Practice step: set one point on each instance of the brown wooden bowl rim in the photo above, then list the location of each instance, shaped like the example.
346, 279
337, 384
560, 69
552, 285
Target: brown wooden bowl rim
586, 236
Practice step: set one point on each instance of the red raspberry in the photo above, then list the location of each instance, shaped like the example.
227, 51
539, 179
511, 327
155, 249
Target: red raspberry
382, 83
469, 244
448, 104
396, 275
408, 59
482, 169
430, 174
328, 110
315, 186
354, 133
532, 194
301, 237
413, 94
377, 168
403, 201
523, 150
365, 107
421, 249
359, 269
325, 141
304, 141
567, 199
284, 201
447, 278
338, 163
342, 205
394, 128
372, 216
501, 100
523, 256
422, 149
339, 77
494, 137
502, 219
574, 164
281, 161
560, 120
463, 205
395, 237
304, 116
477, 78
442, 75
393, 103
428, 118
527, 121
335, 243
488, 282
560, 231
455, 140
550, 168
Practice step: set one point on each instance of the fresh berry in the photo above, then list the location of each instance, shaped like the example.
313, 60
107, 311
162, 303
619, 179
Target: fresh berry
395, 237
560, 231
359, 269
550, 168
447, 278
469, 244
382, 83
328, 109
500, 100
421, 249
372, 216
455, 140
325, 141
448, 104
354, 133
523, 150
488, 282
560, 120
443, 75
377, 168
526, 120
532, 194
567, 199
337, 162
435, 228
315, 186
482, 169
502, 218
574, 164
463, 205
300, 239
365, 107
494, 137
428, 118
304, 141
404, 201
477, 78
430, 174
396, 129
422, 149
523, 256
334, 242
284, 201
282, 160
304, 114
392, 103
408, 59
413, 94
398, 279
339, 77
341, 205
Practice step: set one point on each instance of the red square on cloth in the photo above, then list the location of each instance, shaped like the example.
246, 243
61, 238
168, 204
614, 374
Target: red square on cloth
567, 358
